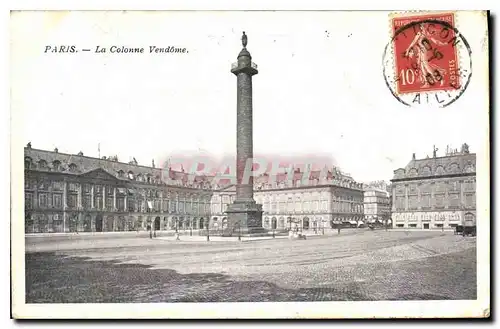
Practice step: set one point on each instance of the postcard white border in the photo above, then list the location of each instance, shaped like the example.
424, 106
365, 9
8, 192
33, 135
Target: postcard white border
379, 309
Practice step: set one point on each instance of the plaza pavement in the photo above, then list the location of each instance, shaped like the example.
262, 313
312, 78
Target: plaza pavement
355, 265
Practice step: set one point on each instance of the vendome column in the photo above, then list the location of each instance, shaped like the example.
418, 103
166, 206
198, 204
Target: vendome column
244, 213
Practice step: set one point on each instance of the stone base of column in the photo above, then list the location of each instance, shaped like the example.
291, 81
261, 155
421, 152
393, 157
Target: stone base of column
245, 218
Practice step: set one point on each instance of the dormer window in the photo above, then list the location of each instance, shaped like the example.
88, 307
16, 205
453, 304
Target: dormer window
27, 163
131, 175
56, 165
72, 167
120, 173
42, 164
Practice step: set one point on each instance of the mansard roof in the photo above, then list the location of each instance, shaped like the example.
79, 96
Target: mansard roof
333, 177
458, 163
43, 160
72, 164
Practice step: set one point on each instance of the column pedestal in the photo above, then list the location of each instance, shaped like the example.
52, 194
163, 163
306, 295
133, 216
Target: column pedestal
245, 218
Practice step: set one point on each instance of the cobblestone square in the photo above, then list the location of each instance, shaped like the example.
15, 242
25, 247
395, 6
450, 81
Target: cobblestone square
358, 265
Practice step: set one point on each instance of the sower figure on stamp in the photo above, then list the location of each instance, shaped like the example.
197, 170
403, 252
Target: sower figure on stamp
429, 73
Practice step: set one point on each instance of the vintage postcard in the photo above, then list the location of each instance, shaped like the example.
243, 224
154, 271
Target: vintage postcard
250, 164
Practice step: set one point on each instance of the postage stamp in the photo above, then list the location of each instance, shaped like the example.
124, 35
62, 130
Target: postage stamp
427, 60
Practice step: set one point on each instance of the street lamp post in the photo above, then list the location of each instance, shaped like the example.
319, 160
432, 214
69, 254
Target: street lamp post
239, 232
208, 230
191, 228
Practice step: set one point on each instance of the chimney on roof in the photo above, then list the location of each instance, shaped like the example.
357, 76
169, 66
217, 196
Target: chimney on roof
29, 145
153, 163
413, 156
56, 150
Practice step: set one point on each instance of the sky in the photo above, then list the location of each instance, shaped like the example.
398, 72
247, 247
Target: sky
320, 90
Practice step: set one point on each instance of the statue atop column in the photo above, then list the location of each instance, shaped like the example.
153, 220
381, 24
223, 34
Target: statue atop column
465, 148
434, 152
244, 40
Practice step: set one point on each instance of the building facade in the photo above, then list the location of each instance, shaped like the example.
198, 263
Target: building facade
437, 192
290, 203
77, 193
376, 206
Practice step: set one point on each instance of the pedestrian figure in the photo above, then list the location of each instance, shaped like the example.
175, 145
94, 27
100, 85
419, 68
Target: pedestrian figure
338, 230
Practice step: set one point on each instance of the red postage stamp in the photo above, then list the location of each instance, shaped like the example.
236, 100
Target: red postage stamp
425, 53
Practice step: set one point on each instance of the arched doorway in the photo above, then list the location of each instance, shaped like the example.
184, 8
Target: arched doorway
157, 223
73, 223
120, 225
28, 223
87, 224
469, 219
109, 224
139, 224
98, 223
131, 223
201, 223
305, 223
224, 223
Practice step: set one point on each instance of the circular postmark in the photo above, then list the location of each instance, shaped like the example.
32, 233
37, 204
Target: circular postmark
427, 61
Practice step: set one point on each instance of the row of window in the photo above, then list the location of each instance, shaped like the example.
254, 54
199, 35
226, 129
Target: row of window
305, 224
311, 182
131, 204
426, 226
58, 186
439, 187
303, 198
53, 223
426, 201
43, 165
